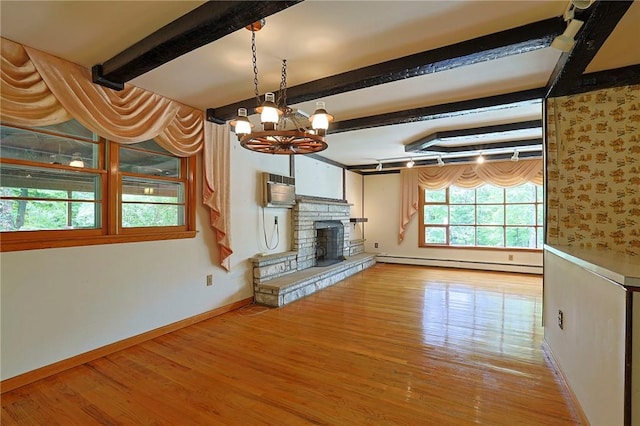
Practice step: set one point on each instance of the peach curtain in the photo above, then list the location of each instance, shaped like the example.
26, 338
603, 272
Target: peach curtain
504, 173
38, 89
215, 188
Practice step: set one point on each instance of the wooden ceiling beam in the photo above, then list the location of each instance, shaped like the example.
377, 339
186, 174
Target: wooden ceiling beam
437, 137
453, 109
624, 76
484, 146
203, 25
600, 21
514, 41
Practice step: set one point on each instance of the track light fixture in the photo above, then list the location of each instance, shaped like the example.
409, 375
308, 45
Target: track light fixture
379, 166
480, 159
440, 162
514, 157
410, 163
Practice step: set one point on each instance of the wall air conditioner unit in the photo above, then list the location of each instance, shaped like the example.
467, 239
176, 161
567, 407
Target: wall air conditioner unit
279, 191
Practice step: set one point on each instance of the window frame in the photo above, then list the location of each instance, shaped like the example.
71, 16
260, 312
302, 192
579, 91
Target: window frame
447, 245
110, 230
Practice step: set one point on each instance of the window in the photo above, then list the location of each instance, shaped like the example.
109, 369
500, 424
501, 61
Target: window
487, 216
63, 186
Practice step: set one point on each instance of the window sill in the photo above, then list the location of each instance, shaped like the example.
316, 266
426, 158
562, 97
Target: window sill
8, 246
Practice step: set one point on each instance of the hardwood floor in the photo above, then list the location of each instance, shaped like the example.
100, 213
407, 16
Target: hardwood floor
395, 344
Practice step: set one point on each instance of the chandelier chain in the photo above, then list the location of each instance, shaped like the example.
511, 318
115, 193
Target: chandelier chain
282, 102
255, 65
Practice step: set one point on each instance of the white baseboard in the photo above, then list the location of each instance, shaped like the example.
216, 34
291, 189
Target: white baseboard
484, 266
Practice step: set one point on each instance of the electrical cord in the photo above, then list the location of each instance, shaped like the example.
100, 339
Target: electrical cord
276, 230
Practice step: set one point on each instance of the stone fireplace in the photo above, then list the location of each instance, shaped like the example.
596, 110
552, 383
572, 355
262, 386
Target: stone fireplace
310, 211
281, 278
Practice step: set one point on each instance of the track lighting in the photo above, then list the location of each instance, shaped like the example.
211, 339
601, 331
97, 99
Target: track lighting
514, 157
379, 166
480, 159
410, 163
440, 162
566, 40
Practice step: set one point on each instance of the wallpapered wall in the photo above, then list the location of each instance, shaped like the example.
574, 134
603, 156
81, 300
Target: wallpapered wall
593, 169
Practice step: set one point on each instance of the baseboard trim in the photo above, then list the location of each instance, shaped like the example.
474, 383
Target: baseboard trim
461, 264
65, 364
575, 404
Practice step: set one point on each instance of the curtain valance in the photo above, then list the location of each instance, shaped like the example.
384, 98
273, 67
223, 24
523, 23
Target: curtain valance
504, 173
38, 89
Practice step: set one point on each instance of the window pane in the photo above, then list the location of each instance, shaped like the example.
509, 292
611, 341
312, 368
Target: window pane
521, 194
463, 215
491, 215
540, 192
142, 215
462, 235
48, 199
540, 214
148, 163
70, 128
50, 183
152, 191
30, 215
26, 145
462, 195
521, 237
439, 196
521, 214
148, 202
436, 215
540, 237
435, 235
489, 194
491, 236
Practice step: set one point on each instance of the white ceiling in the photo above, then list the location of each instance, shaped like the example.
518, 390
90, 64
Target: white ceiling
319, 39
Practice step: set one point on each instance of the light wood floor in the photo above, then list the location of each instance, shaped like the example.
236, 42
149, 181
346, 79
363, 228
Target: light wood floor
394, 345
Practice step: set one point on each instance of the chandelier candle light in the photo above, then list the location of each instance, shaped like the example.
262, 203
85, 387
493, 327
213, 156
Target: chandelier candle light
283, 130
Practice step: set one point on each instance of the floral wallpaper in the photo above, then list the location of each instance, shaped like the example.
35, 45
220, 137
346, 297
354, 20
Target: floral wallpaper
593, 169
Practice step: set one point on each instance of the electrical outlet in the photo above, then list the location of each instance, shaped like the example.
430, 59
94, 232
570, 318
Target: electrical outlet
510, 257
561, 319
209, 280
375, 245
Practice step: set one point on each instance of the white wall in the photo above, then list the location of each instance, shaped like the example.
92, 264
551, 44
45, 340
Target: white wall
58, 303
382, 207
354, 182
590, 349
317, 178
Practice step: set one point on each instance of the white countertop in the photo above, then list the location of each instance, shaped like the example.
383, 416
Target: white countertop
619, 267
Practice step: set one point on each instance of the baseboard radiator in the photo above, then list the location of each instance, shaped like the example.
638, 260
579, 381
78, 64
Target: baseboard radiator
461, 264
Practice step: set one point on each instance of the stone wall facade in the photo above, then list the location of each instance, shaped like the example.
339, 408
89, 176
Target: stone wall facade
305, 213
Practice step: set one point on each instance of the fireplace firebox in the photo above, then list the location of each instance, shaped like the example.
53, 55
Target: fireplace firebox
329, 242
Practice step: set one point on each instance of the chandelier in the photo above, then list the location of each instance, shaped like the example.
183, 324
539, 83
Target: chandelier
285, 130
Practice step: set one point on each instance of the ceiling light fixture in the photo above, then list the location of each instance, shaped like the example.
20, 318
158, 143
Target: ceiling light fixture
76, 160
440, 162
480, 159
514, 157
379, 166
410, 163
284, 131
